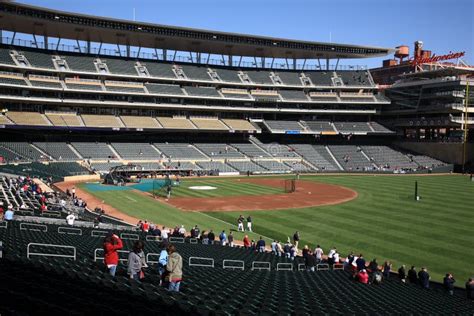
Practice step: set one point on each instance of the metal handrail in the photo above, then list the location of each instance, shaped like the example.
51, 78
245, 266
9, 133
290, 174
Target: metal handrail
99, 231
199, 264
23, 226
267, 265
96, 256
63, 230
224, 266
284, 266
28, 253
130, 236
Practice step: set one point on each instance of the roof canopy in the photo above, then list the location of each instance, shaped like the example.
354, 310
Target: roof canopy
52, 23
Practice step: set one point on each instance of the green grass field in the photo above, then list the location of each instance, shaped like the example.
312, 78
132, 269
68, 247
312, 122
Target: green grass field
383, 222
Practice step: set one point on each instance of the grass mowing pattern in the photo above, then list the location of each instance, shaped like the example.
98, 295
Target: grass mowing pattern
383, 222
226, 187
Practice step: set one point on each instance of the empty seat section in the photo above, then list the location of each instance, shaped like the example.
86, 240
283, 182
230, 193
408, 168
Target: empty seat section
5, 57
240, 125
203, 91
214, 150
250, 150
58, 150
283, 126
136, 151
124, 87
83, 84
209, 123
245, 166
94, 150
39, 59
389, 158
259, 77
290, 78
235, 93
379, 128
12, 78
293, 95
355, 78
352, 127
171, 89
120, 66
27, 118
180, 151
215, 165
427, 162
160, 70
298, 166
176, 123
4, 120
320, 126
80, 63
140, 122
149, 166
45, 82
320, 78
316, 156
273, 166
228, 75
351, 158
181, 165
104, 167
196, 72
23, 149
65, 119
101, 120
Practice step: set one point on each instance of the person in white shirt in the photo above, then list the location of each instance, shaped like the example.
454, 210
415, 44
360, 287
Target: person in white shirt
23, 206
164, 233
335, 257
318, 252
70, 219
331, 254
182, 231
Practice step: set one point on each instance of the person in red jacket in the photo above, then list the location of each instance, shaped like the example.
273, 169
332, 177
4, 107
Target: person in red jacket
112, 243
363, 276
246, 241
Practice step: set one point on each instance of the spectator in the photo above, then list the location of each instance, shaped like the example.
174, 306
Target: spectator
174, 268
112, 243
279, 248
424, 278
70, 219
373, 266
363, 276
230, 238
1, 210
310, 261
140, 225
211, 237
305, 251
386, 269
136, 261
318, 252
448, 283
246, 241
377, 277
73, 192
249, 223
261, 245
330, 255
145, 226
182, 231
402, 274
335, 257
8, 216
240, 223
470, 289
164, 234
296, 239
162, 262
274, 246
412, 275
360, 262
223, 238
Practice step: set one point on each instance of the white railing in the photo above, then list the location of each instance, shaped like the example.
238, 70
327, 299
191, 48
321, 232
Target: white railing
123, 83
233, 264
338, 266
193, 240
99, 233
97, 257
3, 224
148, 255
209, 260
30, 253
153, 238
43, 78
72, 80
284, 266
322, 267
129, 236
70, 231
178, 240
10, 74
38, 227
301, 267
260, 265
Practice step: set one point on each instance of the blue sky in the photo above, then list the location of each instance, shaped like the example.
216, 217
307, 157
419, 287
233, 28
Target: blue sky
443, 25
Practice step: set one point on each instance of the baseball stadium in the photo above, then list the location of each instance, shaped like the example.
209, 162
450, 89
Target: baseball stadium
149, 168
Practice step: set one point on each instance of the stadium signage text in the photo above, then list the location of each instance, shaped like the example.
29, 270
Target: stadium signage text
434, 58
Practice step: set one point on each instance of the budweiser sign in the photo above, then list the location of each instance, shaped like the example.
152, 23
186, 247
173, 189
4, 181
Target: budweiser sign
434, 58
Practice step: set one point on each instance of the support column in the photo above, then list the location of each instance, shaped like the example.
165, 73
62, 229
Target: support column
88, 44
327, 63
46, 45
294, 63
230, 61
128, 50
165, 53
